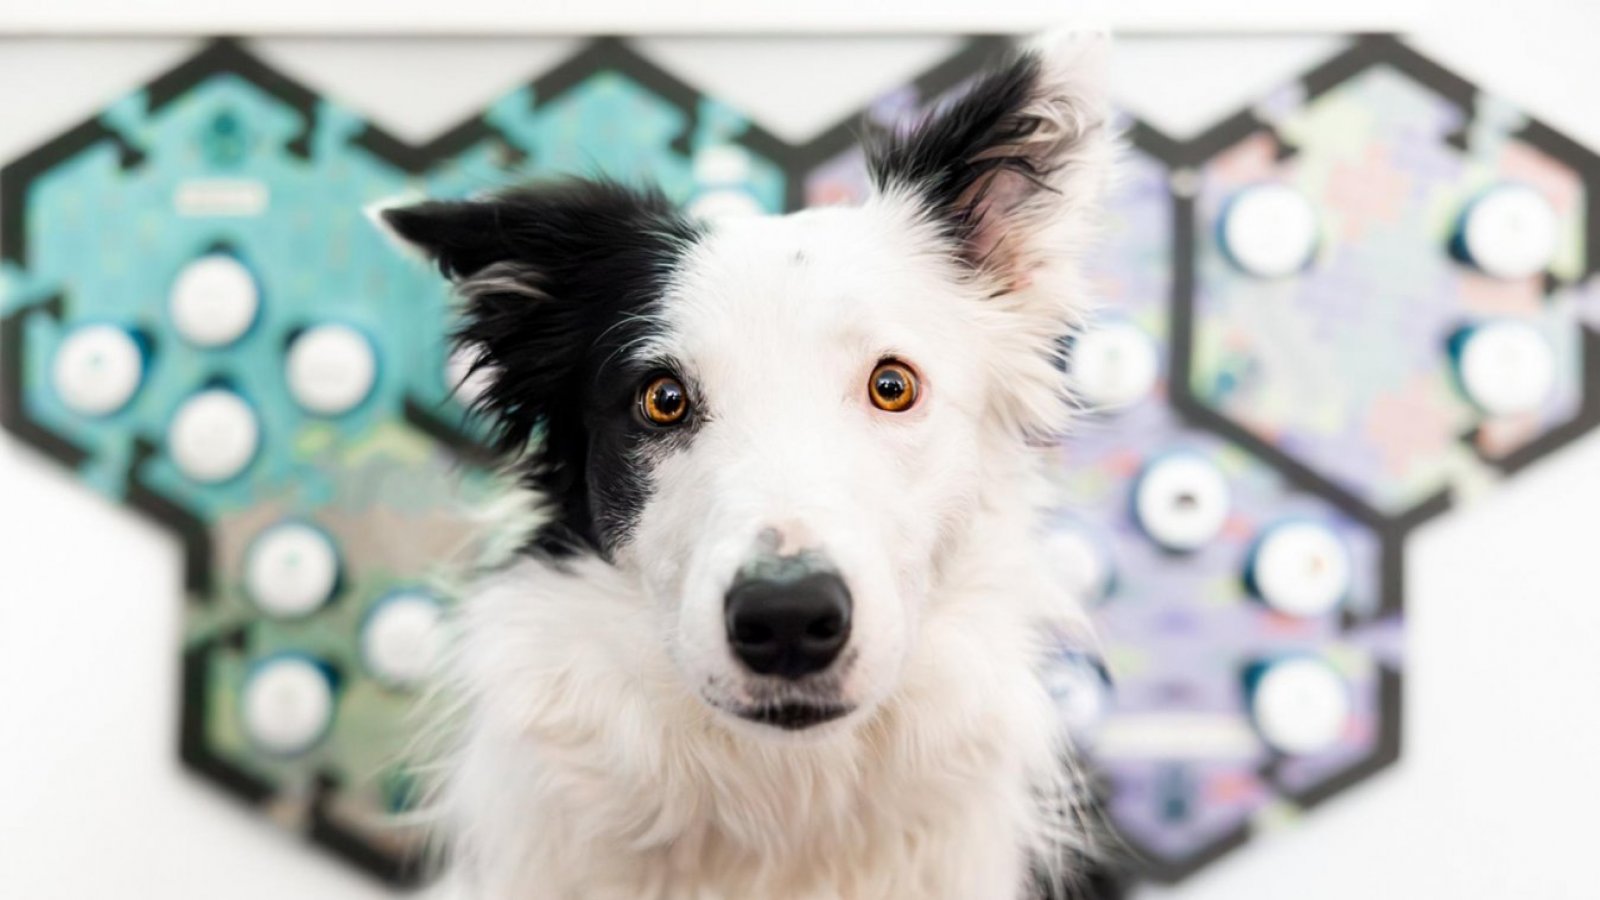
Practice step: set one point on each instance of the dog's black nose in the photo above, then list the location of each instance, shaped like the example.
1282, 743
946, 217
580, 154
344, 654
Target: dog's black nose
788, 628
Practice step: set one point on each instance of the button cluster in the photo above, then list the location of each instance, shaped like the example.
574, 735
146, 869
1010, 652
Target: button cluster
215, 301
1508, 232
293, 570
1298, 571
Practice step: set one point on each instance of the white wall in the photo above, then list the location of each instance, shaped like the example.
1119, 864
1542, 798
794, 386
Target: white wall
1501, 775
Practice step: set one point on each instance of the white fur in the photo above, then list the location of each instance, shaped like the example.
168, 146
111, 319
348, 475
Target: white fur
593, 757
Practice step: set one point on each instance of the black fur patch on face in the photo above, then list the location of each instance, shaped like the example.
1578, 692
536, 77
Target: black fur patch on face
559, 282
952, 157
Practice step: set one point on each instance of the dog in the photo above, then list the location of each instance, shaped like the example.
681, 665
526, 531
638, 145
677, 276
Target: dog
779, 627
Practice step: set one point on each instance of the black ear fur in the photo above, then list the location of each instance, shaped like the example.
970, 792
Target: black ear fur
1007, 168
462, 237
553, 279
947, 156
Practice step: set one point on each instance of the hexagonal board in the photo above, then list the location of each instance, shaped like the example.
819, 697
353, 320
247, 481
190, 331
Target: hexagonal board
1352, 366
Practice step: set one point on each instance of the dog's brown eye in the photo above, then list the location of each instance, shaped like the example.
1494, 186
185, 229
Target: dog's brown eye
664, 400
893, 386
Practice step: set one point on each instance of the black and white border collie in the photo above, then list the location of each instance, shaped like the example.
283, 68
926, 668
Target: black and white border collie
778, 631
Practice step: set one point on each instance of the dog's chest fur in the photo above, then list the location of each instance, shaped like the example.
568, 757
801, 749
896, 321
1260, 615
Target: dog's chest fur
590, 772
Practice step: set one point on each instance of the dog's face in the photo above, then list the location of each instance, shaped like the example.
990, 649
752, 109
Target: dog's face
782, 425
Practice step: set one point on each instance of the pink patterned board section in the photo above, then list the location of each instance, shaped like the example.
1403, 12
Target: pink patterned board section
1353, 365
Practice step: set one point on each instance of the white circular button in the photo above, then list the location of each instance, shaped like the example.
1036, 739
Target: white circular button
213, 436
291, 570
1506, 368
1300, 705
400, 639
1080, 562
1270, 230
1511, 232
214, 301
97, 370
331, 369
1080, 691
287, 705
1301, 569
725, 203
1113, 365
721, 164
1181, 501
465, 383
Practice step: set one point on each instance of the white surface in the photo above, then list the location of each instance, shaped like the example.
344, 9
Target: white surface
1494, 796
286, 705
214, 301
412, 101
1181, 501
291, 569
1507, 368
714, 16
400, 638
213, 436
1511, 231
1270, 230
1113, 364
800, 92
1300, 705
331, 369
97, 369
1301, 569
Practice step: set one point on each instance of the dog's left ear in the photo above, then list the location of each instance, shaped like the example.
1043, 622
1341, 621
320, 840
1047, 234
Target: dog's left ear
1006, 182
1011, 172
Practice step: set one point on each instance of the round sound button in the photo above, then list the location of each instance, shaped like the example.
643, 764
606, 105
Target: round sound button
97, 370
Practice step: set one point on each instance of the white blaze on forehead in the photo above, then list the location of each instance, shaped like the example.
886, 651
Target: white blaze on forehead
811, 287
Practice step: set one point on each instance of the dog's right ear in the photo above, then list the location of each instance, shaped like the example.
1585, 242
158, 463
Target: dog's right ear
463, 237
542, 272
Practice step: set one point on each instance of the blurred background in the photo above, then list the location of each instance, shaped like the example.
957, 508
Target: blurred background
1350, 315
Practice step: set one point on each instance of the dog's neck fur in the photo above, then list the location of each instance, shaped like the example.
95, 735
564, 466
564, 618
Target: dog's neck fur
590, 771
